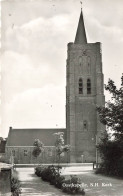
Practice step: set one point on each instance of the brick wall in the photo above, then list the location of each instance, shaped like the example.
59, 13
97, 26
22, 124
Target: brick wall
23, 155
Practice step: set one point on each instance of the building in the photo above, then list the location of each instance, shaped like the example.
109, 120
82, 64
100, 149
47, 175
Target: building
84, 90
20, 145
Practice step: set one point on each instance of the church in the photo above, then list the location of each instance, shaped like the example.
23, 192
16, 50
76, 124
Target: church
84, 91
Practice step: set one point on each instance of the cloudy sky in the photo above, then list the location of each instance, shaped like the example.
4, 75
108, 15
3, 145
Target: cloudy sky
35, 34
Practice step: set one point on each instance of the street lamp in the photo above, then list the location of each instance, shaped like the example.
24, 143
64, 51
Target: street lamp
96, 149
96, 153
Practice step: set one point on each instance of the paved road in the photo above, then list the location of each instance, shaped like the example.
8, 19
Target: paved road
94, 185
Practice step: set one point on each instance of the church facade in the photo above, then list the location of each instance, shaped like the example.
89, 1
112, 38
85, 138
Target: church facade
84, 91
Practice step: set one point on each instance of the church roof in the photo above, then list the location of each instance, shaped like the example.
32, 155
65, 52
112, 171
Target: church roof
81, 33
26, 137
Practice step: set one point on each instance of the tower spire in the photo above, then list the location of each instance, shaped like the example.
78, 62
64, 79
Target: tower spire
81, 34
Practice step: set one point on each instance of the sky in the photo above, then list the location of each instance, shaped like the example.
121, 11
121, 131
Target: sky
35, 34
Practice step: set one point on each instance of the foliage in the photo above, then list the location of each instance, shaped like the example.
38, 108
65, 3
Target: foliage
51, 174
111, 148
38, 148
73, 186
59, 144
38, 170
112, 113
111, 152
15, 185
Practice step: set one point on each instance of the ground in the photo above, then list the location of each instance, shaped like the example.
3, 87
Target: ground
94, 185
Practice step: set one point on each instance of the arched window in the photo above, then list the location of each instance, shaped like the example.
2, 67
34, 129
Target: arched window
85, 126
25, 152
13, 153
88, 86
50, 153
80, 61
89, 65
80, 86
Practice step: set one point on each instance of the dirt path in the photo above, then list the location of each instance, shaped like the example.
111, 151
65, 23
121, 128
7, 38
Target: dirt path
33, 185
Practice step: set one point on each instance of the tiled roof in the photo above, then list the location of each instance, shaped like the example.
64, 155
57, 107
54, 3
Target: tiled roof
26, 137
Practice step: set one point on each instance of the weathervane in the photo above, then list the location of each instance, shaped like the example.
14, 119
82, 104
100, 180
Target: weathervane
81, 4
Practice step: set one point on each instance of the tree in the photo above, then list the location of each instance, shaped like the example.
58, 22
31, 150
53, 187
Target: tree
38, 148
59, 144
111, 153
111, 115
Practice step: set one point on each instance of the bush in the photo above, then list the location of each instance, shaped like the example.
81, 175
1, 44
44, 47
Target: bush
111, 152
120, 167
110, 169
59, 181
38, 170
52, 174
15, 185
73, 186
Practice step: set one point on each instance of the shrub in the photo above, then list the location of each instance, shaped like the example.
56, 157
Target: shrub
73, 186
15, 185
109, 169
59, 181
52, 174
120, 167
45, 174
38, 170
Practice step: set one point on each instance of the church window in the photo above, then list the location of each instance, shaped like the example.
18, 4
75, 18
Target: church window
88, 86
89, 64
13, 152
80, 86
80, 61
50, 153
25, 152
85, 127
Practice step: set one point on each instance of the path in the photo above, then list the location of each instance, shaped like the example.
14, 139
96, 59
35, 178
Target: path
92, 183
33, 185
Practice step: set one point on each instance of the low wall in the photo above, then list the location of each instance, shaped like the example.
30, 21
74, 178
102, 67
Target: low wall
5, 179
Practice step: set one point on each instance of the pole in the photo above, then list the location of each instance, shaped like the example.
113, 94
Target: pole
96, 153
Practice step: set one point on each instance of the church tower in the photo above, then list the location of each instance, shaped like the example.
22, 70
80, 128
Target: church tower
84, 90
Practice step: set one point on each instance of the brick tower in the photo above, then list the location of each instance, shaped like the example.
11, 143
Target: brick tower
84, 90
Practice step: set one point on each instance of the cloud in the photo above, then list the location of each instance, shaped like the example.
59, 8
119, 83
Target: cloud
34, 52
19, 74
38, 107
